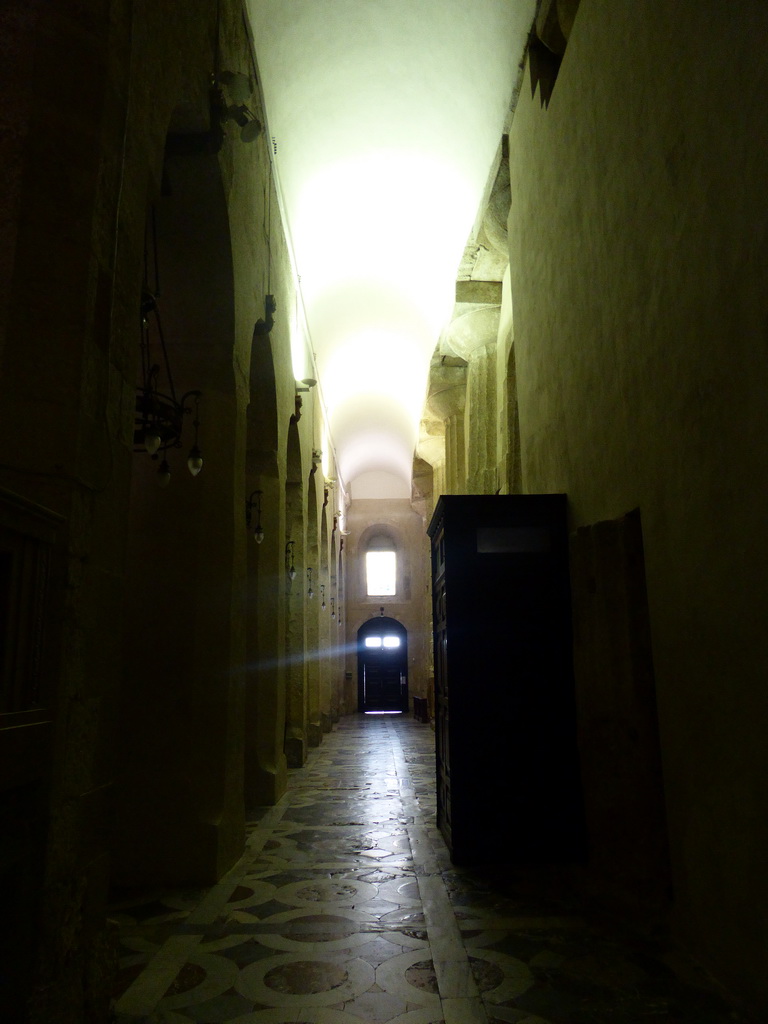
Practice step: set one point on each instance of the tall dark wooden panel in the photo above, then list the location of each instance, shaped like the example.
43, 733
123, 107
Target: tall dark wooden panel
28, 537
507, 767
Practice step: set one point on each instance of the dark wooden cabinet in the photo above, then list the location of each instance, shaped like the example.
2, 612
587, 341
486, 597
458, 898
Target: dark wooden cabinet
507, 767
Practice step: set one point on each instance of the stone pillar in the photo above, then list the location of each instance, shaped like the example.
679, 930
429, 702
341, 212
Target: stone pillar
296, 670
442, 442
513, 457
481, 421
324, 631
455, 454
265, 762
471, 341
312, 658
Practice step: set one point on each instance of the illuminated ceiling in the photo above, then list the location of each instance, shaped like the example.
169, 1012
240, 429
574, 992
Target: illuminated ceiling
387, 116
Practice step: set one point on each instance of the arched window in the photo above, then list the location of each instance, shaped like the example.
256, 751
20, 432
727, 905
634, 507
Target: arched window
380, 566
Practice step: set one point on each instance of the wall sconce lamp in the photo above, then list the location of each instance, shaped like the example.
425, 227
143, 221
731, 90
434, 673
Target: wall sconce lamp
237, 85
258, 532
250, 125
310, 591
195, 458
159, 415
264, 326
333, 609
322, 596
309, 383
289, 563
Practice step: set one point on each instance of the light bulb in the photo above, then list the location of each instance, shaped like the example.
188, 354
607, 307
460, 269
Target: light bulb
310, 592
292, 573
323, 605
152, 442
258, 534
164, 474
195, 460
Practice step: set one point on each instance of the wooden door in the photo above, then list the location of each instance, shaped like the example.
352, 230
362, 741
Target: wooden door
382, 665
442, 704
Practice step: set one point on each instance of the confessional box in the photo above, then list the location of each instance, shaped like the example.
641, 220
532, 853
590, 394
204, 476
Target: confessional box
508, 785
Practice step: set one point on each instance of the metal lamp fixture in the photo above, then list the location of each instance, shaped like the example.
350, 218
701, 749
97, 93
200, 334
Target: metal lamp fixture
239, 88
310, 591
333, 609
258, 532
237, 85
159, 415
322, 596
289, 563
242, 115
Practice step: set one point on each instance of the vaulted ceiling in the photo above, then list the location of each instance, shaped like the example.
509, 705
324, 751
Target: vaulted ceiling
387, 117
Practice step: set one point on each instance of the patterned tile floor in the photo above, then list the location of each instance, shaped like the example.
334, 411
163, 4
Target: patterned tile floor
345, 909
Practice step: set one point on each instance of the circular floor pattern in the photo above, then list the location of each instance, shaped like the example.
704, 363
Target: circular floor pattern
378, 876
185, 900
395, 843
344, 893
281, 848
422, 975
509, 1015
142, 943
304, 928
312, 980
393, 977
204, 976
250, 893
310, 1015
331, 931
265, 865
403, 891
498, 976
301, 800
406, 917
422, 1016
129, 970
305, 978
475, 935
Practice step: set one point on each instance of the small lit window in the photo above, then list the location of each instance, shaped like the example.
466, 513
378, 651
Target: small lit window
374, 641
380, 571
391, 641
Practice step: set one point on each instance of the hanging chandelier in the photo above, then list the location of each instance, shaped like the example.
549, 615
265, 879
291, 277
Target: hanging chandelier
159, 415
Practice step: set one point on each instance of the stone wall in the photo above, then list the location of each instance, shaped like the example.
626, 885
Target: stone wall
161, 714
638, 275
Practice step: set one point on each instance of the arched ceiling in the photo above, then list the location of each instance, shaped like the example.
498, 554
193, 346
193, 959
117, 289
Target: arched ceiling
387, 116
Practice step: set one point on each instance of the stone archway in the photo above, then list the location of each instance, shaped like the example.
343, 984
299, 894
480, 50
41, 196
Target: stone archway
296, 710
179, 797
265, 764
312, 587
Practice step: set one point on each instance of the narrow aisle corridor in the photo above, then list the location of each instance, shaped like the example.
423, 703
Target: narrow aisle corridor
345, 909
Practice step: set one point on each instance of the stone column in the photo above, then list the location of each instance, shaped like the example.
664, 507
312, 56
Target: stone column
442, 443
265, 763
481, 421
471, 338
296, 671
